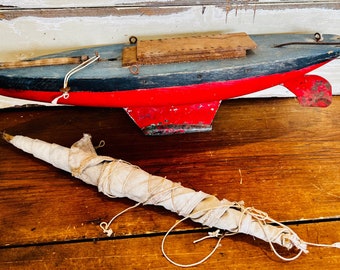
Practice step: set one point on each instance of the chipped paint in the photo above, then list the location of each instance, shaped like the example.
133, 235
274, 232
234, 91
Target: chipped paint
174, 119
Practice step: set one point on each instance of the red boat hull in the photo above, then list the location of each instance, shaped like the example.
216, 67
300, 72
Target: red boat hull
175, 95
166, 110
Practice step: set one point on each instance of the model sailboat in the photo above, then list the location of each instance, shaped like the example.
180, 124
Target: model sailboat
175, 85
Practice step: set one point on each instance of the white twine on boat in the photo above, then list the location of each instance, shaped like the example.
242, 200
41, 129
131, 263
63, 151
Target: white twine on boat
74, 70
64, 95
79, 67
117, 178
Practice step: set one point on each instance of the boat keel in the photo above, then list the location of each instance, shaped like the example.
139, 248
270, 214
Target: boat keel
311, 90
174, 119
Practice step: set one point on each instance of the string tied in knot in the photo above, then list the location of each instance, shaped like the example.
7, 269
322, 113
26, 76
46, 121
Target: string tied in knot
105, 227
214, 234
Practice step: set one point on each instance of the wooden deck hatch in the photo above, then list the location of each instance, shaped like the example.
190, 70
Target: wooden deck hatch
187, 49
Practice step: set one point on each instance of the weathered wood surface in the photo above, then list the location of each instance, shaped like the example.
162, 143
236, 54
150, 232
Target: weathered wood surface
188, 49
271, 153
237, 252
44, 62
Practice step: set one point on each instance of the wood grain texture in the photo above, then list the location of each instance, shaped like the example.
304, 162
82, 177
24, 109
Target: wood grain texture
187, 49
237, 252
271, 153
10, 14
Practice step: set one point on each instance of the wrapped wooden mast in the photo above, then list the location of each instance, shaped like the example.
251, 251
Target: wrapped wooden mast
117, 178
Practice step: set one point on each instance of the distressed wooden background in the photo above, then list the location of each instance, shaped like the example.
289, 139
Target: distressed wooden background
273, 154
287, 156
34, 27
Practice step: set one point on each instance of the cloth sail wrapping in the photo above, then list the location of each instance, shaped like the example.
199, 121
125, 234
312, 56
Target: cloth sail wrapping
117, 178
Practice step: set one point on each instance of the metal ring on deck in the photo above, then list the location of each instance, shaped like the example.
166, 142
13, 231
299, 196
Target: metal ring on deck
317, 37
133, 40
134, 69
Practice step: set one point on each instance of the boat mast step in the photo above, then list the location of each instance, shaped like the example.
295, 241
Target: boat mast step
187, 49
174, 119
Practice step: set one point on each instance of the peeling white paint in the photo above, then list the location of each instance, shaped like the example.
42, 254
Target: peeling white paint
103, 3
75, 3
32, 35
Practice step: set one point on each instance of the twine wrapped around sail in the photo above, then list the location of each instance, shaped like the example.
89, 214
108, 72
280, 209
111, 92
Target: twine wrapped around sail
117, 178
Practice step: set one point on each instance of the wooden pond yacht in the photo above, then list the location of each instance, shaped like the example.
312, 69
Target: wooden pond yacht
175, 85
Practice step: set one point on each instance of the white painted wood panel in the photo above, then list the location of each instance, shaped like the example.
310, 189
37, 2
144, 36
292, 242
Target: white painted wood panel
96, 3
33, 27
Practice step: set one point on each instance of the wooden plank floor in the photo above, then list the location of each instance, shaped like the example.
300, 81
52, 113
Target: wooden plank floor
271, 153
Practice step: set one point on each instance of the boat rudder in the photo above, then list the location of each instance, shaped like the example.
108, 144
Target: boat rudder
311, 90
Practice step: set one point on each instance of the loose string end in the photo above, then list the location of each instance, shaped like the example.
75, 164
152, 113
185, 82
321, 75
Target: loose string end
214, 234
334, 245
105, 227
64, 95
100, 145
